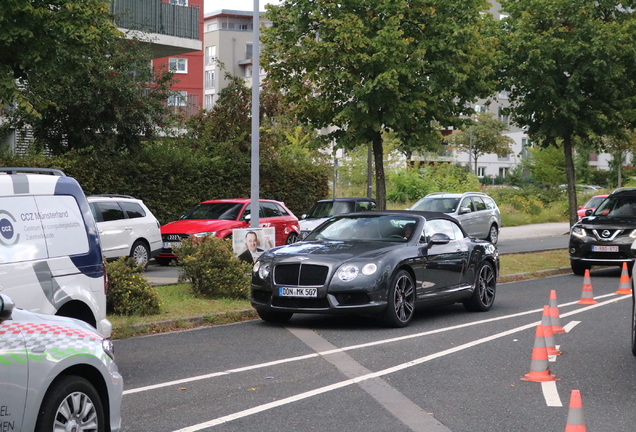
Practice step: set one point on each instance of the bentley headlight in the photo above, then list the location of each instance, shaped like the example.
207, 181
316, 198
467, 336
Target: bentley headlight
369, 269
203, 234
263, 270
348, 272
256, 266
578, 231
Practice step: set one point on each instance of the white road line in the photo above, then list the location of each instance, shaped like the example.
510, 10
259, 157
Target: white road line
569, 326
349, 348
338, 385
551, 394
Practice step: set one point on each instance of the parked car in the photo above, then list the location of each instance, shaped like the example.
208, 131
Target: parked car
590, 205
606, 237
56, 374
50, 255
476, 212
219, 217
127, 228
383, 263
326, 208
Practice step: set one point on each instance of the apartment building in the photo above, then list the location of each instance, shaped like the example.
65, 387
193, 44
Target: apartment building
228, 47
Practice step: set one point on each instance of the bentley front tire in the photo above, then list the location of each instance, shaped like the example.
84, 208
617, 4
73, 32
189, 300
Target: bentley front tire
401, 301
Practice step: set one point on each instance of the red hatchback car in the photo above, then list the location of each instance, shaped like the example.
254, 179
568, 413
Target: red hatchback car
220, 217
590, 205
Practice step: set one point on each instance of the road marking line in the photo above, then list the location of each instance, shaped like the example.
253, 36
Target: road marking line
349, 348
394, 369
551, 394
569, 326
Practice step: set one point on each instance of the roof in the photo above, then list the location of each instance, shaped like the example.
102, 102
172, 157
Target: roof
238, 200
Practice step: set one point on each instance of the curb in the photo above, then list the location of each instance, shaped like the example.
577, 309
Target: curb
534, 275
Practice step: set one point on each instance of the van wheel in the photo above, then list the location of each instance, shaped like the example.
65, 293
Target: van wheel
140, 253
72, 404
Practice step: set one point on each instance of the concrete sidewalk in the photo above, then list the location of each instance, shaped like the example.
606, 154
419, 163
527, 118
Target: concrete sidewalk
550, 229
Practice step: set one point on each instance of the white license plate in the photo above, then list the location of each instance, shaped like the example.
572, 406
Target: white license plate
297, 292
170, 245
604, 248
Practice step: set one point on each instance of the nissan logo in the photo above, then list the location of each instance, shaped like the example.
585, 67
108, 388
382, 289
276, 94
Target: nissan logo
605, 233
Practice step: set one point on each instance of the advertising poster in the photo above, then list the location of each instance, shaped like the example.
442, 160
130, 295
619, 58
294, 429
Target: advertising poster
249, 243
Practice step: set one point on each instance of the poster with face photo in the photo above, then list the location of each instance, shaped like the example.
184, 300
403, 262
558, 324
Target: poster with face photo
249, 243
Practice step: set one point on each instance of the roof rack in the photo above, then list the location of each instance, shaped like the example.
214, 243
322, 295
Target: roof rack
113, 196
18, 170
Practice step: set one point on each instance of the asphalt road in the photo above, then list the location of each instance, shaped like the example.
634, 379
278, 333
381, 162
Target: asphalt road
450, 370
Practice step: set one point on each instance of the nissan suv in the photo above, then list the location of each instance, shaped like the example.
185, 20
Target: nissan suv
605, 236
476, 212
127, 228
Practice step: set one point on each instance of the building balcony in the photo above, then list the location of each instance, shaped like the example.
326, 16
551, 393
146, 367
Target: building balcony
169, 29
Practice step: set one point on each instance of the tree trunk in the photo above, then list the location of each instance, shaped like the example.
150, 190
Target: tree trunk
378, 157
620, 169
570, 175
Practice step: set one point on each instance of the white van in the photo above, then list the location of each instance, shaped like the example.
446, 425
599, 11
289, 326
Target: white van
50, 256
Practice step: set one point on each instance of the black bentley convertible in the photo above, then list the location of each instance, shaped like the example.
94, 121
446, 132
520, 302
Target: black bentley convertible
383, 263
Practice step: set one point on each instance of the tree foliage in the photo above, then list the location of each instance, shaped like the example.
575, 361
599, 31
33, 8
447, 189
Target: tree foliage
90, 89
365, 68
482, 137
568, 68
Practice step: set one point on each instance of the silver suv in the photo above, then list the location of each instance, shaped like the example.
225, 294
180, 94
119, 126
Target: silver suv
127, 228
477, 212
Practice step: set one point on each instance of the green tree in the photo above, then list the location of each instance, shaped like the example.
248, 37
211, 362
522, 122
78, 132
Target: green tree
37, 36
568, 68
618, 146
547, 165
365, 68
484, 136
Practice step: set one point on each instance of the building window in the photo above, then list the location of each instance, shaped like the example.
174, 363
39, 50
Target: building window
503, 94
248, 72
503, 172
178, 65
179, 99
503, 158
593, 157
480, 108
209, 79
525, 147
179, 2
248, 51
209, 102
210, 54
502, 116
213, 27
481, 171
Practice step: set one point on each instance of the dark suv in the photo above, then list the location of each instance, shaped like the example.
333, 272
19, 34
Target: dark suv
605, 237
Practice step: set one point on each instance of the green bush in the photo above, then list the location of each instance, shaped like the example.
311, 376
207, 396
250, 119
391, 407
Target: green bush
406, 185
129, 292
210, 265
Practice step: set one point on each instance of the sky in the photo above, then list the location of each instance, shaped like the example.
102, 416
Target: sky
242, 5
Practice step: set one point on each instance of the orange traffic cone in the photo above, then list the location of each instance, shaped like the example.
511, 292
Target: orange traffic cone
625, 284
587, 296
546, 322
539, 367
576, 422
555, 317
